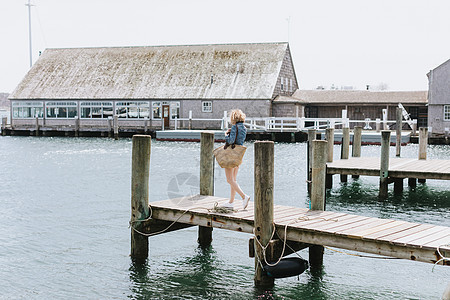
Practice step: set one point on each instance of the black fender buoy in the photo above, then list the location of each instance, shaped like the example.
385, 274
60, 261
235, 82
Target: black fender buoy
287, 267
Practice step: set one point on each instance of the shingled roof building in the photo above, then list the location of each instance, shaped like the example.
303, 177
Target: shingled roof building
360, 105
155, 84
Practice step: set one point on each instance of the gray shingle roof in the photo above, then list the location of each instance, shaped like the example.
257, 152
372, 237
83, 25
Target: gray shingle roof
357, 97
238, 71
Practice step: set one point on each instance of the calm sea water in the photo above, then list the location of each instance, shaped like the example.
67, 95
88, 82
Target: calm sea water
65, 207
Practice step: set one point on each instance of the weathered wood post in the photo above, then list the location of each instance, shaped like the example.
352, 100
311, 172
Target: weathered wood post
423, 142
116, 127
378, 124
110, 126
37, 127
356, 145
311, 138
4, 121
345, 148
414, 127
384, 163
77, 127
398, 132
140, 174
190, 120
206, 181
318, 194
412, 182
264, 176
329, 136
146, 124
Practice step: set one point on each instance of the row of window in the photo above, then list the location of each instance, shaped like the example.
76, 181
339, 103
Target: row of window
98, 109
446, 112
287, 84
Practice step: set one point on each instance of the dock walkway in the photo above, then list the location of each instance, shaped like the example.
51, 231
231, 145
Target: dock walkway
398, 167
393, 238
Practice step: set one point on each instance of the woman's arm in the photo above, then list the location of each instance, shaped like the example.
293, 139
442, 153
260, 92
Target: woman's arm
232, 136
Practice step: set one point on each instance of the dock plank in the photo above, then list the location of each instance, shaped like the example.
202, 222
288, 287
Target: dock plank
393, 238
398, 167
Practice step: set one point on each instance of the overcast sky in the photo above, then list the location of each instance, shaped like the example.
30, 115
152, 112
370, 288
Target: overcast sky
333, 42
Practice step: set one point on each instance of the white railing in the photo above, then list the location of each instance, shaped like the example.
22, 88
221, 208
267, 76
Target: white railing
279, 124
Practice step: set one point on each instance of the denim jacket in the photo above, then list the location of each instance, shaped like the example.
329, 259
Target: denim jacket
241, 133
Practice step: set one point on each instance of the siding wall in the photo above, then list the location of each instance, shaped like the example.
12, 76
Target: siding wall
289, 110
287, 71
439, 95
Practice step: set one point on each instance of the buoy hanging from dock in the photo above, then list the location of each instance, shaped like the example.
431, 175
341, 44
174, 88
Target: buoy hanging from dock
287, 267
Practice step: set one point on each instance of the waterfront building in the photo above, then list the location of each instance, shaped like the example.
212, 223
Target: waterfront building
439, 99
85, 87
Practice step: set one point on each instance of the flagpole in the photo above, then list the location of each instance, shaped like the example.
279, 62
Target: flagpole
29, 31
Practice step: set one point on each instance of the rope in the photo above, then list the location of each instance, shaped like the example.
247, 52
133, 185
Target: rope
301, 218
216, 208
443, 258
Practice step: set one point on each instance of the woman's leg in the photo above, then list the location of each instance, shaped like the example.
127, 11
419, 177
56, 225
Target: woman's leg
231, 179
229, 175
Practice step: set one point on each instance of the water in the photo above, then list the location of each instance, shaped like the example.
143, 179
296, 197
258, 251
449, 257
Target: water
65, 207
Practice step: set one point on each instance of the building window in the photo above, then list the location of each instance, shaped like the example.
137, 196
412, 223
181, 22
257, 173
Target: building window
175, 110
27, 110
311, 111
291, 86
133, 110
61, 110
156, 108
446, 112
282, 83
207, 106
96, 110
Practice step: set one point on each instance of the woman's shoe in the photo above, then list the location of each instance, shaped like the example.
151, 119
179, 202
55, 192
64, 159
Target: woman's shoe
245, 201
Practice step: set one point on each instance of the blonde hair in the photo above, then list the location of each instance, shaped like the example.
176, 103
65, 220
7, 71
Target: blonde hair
237, 116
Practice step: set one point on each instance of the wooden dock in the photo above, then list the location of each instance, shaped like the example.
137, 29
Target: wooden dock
274, 225
398, 167
385, 237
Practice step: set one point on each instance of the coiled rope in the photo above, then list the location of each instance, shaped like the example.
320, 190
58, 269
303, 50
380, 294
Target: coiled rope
216, 208
442, 257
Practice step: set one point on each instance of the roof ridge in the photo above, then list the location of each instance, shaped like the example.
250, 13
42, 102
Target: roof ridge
173, 45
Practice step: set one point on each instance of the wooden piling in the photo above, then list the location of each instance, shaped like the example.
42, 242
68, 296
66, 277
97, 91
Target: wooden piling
398, 132
329, 136
412, 182
263, 211
378, 124
77, 127
345, 148
116, 127
398, 185
318, 173
384, 163
311, 138
356, 145
110, 119
4, 121
206, 181
37, 127
318, 194
140, 169
423, 142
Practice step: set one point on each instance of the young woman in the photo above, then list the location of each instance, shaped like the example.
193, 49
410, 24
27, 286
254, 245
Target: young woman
236, 135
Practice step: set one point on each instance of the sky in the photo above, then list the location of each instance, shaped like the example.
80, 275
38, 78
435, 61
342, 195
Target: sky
389, 43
